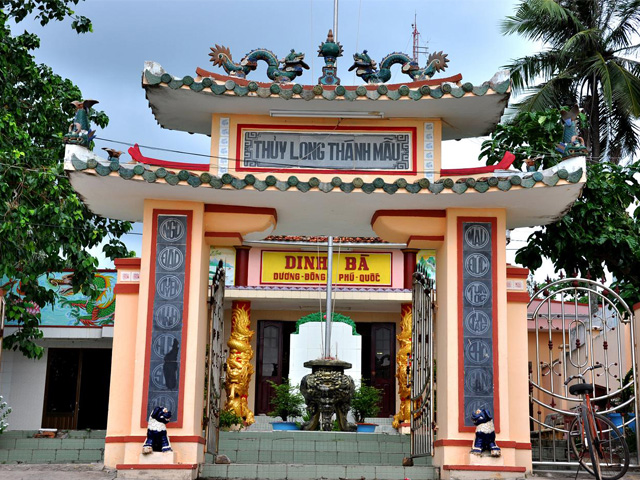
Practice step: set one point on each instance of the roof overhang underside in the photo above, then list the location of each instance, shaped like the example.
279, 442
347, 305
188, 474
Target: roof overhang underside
185, 110
318, 213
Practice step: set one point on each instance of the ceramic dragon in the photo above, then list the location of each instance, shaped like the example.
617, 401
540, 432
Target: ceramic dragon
404, 386
365, 67
293, 63
238, 366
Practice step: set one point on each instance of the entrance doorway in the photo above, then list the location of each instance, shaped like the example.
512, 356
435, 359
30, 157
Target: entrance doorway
77, 388
272, 359
378, 361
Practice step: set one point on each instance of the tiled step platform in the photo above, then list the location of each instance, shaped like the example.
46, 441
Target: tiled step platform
314, 455
75, 446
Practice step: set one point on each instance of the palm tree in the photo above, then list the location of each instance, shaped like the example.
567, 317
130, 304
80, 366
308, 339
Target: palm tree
586, 60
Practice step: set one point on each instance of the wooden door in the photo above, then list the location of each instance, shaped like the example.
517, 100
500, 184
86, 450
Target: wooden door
383, 356
62, 390
93, 402
270, 363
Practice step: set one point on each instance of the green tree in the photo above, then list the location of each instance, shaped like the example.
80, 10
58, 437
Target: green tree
586, 60
45, 227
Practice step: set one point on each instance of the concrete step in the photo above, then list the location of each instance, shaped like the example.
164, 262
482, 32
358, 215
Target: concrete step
263, 424
328, 472
315, 448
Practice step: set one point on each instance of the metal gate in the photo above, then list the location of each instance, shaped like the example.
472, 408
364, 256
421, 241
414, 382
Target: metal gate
215, 359
421, 365
573, 324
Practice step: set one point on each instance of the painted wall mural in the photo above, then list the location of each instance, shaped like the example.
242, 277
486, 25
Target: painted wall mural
228, 257
477, 315
74, 309
427, 259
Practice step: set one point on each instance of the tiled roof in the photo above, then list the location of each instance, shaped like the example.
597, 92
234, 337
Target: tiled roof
228, 181
220, 85
321, 239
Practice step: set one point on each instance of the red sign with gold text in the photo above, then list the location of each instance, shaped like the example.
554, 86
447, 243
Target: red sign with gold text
309, 268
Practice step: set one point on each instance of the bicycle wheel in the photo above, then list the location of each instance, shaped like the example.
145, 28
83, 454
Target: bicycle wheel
591, 439
614, 453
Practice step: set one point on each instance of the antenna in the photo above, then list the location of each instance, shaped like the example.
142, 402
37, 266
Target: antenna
417, 49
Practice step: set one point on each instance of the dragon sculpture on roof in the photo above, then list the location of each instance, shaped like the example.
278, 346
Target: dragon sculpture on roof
366, 67
293, 63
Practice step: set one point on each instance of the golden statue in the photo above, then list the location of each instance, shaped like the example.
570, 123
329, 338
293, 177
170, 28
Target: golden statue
404, 388
238, 366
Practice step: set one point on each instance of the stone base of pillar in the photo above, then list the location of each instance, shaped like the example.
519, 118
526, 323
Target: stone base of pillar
157, 458
481, 472
158, 472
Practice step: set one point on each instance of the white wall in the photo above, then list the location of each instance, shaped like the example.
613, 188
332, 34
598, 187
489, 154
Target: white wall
22, 385
306, 346
22, 381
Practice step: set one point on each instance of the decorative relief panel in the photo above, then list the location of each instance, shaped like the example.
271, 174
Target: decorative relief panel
223, 147
477, 314
429, 152
168, 308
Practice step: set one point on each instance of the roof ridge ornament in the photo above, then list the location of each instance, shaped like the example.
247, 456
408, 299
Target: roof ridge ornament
366, 69
330, 51
293, 63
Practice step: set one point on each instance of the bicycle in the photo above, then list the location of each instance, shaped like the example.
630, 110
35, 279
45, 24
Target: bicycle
593, 433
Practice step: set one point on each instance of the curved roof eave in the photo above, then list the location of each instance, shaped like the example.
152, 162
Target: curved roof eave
187, 103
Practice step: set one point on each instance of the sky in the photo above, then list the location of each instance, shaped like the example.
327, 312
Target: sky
107, 64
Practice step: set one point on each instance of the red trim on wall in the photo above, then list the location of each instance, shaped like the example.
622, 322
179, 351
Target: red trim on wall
484, 468
121, 288
505, 163
217, 208
518, 297
244, 82
235, 235
136, 154
496, 372
157, 466
636, 306
328, 128
142, 438
428, 238
467, 443
127, 262
454, 443
185, 314
517, 272
408, 213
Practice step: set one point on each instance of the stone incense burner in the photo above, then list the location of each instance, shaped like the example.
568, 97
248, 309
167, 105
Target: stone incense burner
327, 390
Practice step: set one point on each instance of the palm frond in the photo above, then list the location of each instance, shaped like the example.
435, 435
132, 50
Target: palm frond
625, 88
540, 67
627, 15
544, 20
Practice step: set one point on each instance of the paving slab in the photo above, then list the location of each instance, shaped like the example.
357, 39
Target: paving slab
56, 472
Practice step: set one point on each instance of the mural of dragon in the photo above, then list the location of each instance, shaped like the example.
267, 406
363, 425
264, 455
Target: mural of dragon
238, 366
404, 389
86, 311
69, 308
366, 67
293, 63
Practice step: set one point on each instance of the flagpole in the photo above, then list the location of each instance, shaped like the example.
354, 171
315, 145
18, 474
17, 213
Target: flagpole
327, 328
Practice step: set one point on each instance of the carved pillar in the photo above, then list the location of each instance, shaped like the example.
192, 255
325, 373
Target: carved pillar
239, 369
242, 266
404, 341
410, 257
